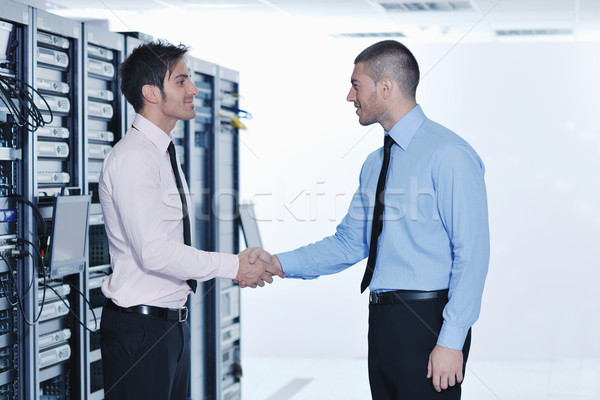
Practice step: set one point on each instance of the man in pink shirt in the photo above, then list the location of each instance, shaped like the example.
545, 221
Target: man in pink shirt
144, 328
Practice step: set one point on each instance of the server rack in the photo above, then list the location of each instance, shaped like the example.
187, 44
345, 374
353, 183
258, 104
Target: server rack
212, 172
73, 66
223, 303
198, 169
15, 346
103, 125
54, 162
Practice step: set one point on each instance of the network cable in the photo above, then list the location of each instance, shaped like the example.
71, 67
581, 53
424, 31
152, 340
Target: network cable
38, 215
25, 112
19, 301
73, 312
15, 253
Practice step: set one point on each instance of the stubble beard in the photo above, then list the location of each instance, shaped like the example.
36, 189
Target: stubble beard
376, 112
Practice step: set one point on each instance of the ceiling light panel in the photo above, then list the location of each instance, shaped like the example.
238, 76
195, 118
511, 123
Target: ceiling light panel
534, 32
426, 6
332, 8
109, 4
216, 3
362, 35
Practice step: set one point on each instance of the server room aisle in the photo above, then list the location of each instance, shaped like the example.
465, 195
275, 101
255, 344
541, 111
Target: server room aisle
336, 379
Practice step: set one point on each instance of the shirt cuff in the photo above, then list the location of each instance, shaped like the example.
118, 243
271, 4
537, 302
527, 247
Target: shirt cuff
452, 337
289, 268
227, 265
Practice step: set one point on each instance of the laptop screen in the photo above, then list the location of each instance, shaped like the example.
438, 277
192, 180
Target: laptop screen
69, 235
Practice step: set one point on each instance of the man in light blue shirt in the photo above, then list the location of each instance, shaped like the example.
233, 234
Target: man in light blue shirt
429, 254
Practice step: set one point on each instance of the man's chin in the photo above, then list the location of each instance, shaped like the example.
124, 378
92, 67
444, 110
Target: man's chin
365, 123
189, 116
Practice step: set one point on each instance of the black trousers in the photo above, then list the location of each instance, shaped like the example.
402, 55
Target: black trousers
401, 337
144, 357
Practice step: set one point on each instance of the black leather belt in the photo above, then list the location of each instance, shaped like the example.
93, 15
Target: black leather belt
170, 314
400, 296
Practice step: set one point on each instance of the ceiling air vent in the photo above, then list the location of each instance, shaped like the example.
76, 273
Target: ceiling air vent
420, 6
533, 32
369, 35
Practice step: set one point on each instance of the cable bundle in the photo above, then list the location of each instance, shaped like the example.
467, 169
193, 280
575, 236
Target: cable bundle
25, 112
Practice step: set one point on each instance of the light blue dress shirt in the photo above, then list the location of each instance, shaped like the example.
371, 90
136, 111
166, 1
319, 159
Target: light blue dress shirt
435, 231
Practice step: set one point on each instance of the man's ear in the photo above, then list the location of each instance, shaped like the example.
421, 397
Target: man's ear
151, 94
387, 85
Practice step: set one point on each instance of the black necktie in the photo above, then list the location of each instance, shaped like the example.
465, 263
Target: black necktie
187, 238
377, 214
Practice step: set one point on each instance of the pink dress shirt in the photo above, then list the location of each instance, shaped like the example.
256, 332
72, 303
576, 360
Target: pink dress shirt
143, 220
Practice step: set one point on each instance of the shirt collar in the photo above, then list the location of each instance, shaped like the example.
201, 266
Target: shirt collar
405, 129
160, 138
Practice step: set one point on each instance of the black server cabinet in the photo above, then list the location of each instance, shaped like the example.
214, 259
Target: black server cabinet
53, 163
103, 125
198, 168
211, 157
226, 297
15, 31
73, 66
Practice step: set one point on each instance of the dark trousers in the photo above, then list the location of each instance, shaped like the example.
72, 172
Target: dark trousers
144, 357
401, 337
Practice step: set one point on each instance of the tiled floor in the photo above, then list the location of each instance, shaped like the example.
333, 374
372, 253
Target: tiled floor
346, 379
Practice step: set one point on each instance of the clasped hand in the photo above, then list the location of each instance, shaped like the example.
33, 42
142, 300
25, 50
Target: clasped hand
257, 267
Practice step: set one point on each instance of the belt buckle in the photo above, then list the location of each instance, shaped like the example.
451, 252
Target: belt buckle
183, 314
373, 297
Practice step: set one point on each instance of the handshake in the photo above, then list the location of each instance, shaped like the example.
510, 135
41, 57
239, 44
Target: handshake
257, 267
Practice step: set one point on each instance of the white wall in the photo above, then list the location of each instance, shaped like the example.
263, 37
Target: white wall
531, 112
529, 109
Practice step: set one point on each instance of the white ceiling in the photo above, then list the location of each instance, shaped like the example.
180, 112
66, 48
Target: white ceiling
562, 19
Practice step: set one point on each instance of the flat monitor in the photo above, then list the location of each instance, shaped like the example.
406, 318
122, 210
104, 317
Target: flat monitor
249, 225
70, 221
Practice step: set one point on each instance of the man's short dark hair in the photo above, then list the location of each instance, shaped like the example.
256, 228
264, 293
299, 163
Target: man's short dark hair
148, 65
391, 59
